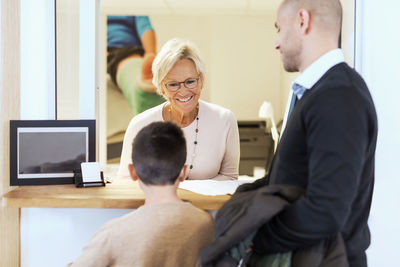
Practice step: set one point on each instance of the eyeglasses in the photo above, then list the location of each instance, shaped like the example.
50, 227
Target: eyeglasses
190, 83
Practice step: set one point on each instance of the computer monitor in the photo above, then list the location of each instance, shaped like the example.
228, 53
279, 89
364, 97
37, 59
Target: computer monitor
48, 151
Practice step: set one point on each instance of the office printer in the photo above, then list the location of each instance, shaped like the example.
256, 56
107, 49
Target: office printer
256, 146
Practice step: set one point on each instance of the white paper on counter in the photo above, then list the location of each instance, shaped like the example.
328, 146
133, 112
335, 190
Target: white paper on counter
213, 187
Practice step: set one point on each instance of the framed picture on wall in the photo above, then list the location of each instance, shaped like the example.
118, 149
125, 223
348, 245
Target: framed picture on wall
44, 152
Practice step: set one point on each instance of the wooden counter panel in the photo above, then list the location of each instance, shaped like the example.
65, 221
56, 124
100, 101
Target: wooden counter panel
121, 194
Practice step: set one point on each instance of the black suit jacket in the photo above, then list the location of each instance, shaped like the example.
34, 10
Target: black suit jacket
327, 148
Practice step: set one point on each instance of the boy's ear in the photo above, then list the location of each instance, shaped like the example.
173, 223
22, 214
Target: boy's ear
183, 173
132, 172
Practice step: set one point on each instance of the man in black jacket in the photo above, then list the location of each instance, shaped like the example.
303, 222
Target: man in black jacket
328, 144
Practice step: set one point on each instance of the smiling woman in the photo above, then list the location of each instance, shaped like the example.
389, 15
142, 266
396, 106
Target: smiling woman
179, 76
182, 107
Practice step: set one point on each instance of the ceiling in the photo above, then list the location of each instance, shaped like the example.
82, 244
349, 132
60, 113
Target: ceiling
189, 7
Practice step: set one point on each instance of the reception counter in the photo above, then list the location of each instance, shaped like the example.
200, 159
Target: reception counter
56, 221
121, 194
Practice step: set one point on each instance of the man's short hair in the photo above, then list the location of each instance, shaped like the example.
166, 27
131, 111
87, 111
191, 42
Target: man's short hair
159, 153
328, 13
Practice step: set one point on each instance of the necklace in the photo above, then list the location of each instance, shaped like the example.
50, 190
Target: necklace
194, 147
193, 156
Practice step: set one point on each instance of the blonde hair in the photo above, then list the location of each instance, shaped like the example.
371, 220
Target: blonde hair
171, 52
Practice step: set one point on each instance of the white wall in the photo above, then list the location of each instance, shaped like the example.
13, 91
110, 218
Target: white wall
68, 59
37, 60
77, 66
245, 68
378, 58
1, 52
55, 237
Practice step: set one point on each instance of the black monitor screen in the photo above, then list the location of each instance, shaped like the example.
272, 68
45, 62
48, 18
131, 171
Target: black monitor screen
43, 151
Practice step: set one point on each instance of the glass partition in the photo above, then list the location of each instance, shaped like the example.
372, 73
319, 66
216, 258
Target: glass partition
236, 42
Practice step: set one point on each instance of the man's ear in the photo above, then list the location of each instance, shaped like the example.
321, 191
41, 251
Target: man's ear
183, 173
132, 172
304, 20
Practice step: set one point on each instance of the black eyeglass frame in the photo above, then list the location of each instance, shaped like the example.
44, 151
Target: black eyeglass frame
184, 84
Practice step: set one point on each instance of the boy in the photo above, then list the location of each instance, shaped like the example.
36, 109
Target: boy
165, 231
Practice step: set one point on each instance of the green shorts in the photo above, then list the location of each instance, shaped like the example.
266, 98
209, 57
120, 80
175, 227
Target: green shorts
127, 78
